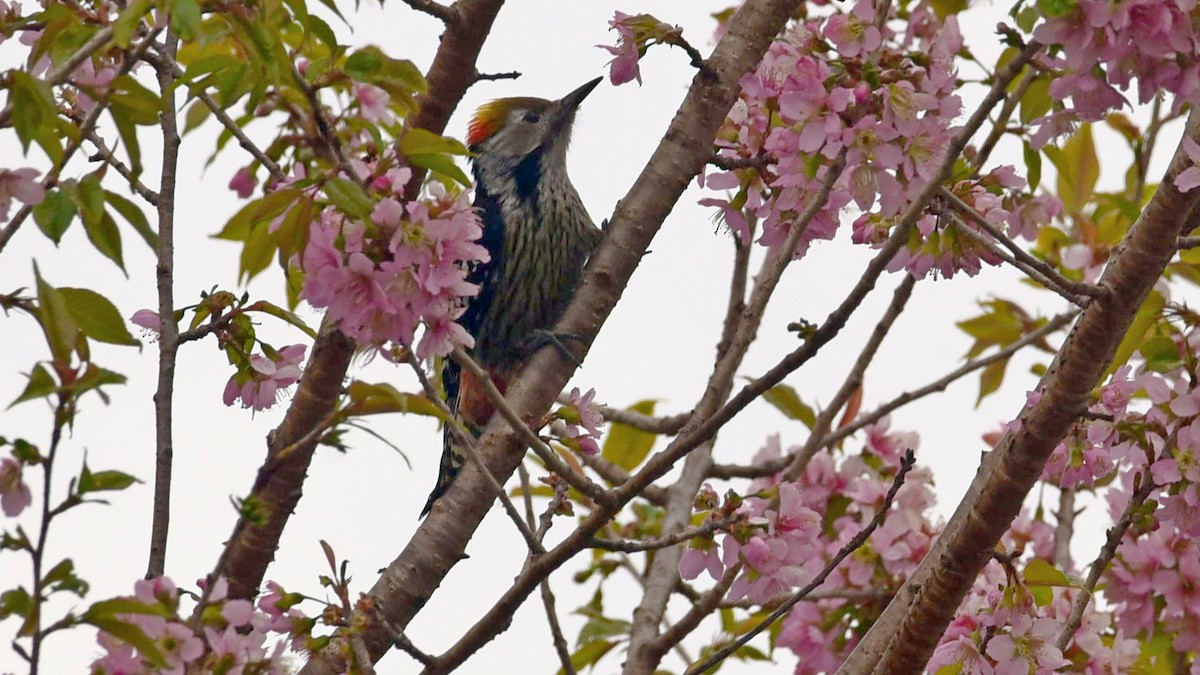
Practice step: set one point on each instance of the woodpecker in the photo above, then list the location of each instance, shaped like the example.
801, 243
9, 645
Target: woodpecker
539, 236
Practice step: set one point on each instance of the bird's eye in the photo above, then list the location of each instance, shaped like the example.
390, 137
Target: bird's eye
531, 118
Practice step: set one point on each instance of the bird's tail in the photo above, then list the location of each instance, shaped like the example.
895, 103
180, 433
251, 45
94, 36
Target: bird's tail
468, 401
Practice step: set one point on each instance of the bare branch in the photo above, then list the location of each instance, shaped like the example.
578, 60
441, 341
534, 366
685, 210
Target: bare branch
466, 441
168, 343
219, 113
709, 602
940, 384
630, 546
539, 447
906, 465
105, 155
854, 378
556, 634
490, 77
1064, 530
1046, 270
1107, 552
437, 10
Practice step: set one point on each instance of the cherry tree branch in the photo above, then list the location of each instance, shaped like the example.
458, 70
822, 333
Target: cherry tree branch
1107, 552
540, 448
854, 378
632, 546
906, 465
1064, 528
556, 634
904, 636
104, 154
709, 602
437, 10
1023, 257
168, 342
774, 466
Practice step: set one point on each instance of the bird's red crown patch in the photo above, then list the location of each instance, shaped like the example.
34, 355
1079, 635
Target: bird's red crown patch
487, 120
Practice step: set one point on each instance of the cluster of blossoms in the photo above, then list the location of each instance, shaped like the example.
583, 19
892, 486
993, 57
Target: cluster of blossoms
379, 278
791, 530
582, 425
1008, 625
1105, 45
852, 89
232, 636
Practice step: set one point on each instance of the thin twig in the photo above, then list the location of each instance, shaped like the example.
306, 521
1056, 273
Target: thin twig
435, 9
212, 326
1080, 288
168, 342
1064, 530
226, 121
556, 634
104, 154
999, 128
636, 546
906, 464
539, 447
1100, 564
1033, 273
491, 77
60, 74
854, 378
709, 602
940, 384
61, 419
467, 441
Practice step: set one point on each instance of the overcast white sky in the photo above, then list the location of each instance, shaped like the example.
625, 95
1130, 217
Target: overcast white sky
658, 344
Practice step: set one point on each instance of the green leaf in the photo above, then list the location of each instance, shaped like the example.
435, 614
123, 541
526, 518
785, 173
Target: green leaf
96, 316
102, 481
130, 634
787, 401
133, 215
990, 379
1161, 354
257, 253
60, 329
363, 64
1037, 100
417, 141
628, 446
41, 384
1078, 169
128, 132
349, 197
34, 115
131, 99
589, 654
281, 313
260, 210
373, 399
106, 238
54, 215
127, 22
16, 601
1041, 573
185, 18
1033, 166
442, 166
945, 8
1145, 319
196, 114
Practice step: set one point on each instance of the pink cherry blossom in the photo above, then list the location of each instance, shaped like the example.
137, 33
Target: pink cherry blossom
243, 183
373, 103
624, 65
15, 495
259, 387
19, 184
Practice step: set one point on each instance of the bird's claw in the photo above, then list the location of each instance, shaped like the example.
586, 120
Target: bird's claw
543, 338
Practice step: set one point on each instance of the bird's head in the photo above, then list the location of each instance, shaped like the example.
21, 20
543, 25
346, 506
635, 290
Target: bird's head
514, 128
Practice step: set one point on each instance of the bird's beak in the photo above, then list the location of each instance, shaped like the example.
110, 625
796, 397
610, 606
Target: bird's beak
570, 102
